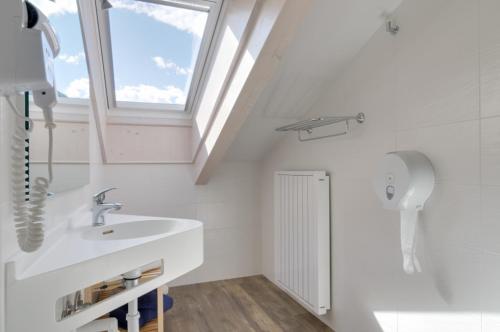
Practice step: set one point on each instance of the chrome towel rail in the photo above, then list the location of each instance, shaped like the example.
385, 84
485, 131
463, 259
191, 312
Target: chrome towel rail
305, 127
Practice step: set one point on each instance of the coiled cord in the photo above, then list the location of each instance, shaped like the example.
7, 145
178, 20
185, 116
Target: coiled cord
28, 208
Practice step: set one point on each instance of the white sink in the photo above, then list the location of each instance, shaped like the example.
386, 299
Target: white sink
81, 255
131, 230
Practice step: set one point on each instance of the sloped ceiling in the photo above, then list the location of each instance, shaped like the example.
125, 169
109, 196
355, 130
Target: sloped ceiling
331, 35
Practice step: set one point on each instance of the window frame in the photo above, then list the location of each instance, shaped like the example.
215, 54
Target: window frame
213, 7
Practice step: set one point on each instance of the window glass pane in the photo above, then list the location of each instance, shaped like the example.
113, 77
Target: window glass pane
70, 66
155, 48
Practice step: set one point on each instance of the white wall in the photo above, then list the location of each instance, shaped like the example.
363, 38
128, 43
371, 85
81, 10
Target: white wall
4, 192
146, 144
435, 87
226, 206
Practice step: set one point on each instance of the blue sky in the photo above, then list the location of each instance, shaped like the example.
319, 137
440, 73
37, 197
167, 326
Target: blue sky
154, 49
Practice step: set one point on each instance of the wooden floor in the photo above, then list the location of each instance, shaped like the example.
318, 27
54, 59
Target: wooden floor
243, 304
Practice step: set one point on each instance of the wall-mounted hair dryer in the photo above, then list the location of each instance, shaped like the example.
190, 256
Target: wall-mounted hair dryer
35, 19
45, 98
29, 45
27, 58
404, 181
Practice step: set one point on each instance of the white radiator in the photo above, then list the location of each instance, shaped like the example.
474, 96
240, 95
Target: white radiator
302, 237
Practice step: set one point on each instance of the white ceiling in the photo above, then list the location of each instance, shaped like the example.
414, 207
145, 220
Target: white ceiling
330, 36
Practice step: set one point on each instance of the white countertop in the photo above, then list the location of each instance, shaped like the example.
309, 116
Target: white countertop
72, 248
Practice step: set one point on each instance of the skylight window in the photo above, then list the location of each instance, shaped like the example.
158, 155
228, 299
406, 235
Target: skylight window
157, 52
71, 73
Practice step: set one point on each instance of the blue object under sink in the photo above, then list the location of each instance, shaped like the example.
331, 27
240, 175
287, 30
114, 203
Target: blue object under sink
147, 307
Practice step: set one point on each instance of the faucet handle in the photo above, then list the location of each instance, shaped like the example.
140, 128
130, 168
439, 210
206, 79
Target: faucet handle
101, 196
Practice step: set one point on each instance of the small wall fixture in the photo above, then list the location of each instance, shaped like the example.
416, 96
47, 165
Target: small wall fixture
404, 182
391, 26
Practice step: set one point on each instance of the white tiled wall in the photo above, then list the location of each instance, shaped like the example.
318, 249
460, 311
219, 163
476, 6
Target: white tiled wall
226, 206
434, 87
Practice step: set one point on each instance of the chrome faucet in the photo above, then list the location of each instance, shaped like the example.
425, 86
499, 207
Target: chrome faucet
99, 208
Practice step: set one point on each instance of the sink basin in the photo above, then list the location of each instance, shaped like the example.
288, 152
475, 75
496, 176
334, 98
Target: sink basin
130, 230
78, 255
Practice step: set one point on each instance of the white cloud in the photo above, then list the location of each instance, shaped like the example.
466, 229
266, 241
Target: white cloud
72, 59
186, 20
151, 94
168, 64
78, 88
170, 94
60, 7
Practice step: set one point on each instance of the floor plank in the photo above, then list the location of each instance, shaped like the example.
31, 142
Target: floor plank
251, 304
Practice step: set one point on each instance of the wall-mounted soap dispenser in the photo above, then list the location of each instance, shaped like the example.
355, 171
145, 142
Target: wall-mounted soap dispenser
404, 181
